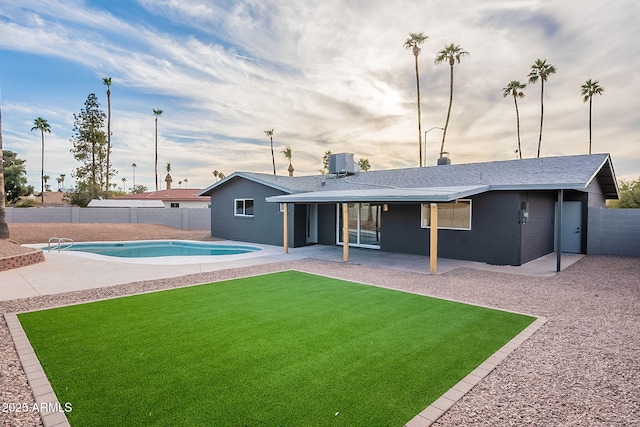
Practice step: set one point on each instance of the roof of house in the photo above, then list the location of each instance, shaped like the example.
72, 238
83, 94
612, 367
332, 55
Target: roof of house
174, 194
125, 203
444, 182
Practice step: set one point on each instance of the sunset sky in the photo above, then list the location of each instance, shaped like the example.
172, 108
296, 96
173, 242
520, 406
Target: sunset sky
325, 75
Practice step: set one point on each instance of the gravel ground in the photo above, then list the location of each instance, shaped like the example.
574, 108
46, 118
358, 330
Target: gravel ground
582, 368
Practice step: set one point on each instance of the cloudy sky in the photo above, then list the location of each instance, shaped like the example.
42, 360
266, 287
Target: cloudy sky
325, 75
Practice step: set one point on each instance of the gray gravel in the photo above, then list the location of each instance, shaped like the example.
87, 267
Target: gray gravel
582, 368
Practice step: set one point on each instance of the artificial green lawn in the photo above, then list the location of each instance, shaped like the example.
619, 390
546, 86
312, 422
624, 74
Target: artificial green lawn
280, 349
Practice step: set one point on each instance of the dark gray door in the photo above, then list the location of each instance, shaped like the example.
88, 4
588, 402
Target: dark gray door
571, 227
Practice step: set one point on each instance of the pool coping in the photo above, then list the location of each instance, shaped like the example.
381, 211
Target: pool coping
46, 398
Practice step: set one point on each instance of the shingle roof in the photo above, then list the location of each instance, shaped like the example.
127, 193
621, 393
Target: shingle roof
552, 173
174, 194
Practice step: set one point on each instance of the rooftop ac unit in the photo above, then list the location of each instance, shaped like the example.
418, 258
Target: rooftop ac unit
342, 163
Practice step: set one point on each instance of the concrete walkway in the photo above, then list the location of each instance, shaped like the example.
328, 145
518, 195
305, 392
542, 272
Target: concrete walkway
73, 271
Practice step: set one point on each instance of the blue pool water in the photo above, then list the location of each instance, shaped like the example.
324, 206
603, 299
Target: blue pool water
159, 248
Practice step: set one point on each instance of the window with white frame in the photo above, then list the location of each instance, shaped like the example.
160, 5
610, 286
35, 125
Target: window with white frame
243, 207
454, 216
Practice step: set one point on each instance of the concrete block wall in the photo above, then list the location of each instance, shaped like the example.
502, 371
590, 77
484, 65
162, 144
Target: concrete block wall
181, 218
613, 232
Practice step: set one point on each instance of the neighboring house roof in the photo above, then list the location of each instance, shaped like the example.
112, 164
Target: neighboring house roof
123, 203
443, 182
172, 195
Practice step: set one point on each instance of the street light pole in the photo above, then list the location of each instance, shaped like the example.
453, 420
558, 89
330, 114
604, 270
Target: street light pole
425, 142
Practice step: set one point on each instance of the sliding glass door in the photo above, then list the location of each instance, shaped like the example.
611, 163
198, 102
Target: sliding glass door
364, 225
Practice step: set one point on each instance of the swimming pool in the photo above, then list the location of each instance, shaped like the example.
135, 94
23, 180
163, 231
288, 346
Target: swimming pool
158, 248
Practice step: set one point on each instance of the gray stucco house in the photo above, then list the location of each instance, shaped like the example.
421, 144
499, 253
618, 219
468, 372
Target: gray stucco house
502, 212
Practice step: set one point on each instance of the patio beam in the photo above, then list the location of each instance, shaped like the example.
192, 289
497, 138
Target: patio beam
285, 225
433, 241
345, 232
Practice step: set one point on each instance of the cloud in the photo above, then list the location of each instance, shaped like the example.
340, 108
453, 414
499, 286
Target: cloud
334, 75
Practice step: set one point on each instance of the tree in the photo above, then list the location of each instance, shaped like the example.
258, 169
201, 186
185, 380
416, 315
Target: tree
62, 176
157, 113
186, 181
590, 88
15, 176
540, 70
4, 227
325, 162
216, 174
138, 189
415, 40
107, 82
221, 175
273, 158
124, 181
90, 149
43, 126
134, 166
364, 164
629, 194
288, 153
514, 88
47, 187
450, 54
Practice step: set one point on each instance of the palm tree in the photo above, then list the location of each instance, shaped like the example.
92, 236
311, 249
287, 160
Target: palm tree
62, 179
414, 40
514, 88
157, 113
4, 227
107, 82
450, 54
186, 181
46, 178
180, 184
540, 70
288, 153
221, 175
134, 166
364, 164
124, 180
590, 88
167, 179
216, 174
273, 159
43, 126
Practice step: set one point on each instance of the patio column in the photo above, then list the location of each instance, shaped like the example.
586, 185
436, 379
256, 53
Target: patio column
559, 231
345, 232
433, 241
285, 225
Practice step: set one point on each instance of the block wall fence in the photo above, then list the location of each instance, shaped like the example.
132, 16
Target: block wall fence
181, 218
613, 232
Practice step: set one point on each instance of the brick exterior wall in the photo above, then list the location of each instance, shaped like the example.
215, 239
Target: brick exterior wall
22, 260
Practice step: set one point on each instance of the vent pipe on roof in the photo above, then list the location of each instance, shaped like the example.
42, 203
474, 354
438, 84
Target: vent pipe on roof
444, 159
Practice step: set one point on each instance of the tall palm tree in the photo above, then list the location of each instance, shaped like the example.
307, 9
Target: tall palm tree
46, 178
4, 227
540, 70
450, 54
514, 88
288, 153
273, 159
124, 181
186, 181
43, 126
216, 174
107, 82
590, 88
134, 166
157, 113
364, 164
415, 40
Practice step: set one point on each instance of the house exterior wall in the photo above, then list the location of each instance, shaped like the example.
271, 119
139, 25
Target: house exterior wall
266, 225
537, 235
494, 236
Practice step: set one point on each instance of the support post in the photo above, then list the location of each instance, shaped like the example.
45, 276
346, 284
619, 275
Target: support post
345, 232
285, 220
559, 232
433, 241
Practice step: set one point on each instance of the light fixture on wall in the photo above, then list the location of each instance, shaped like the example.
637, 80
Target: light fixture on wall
385, 207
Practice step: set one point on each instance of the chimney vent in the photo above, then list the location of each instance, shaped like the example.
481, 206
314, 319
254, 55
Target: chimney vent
444, 159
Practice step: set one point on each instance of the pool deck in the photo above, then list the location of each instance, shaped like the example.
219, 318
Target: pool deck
73, 271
